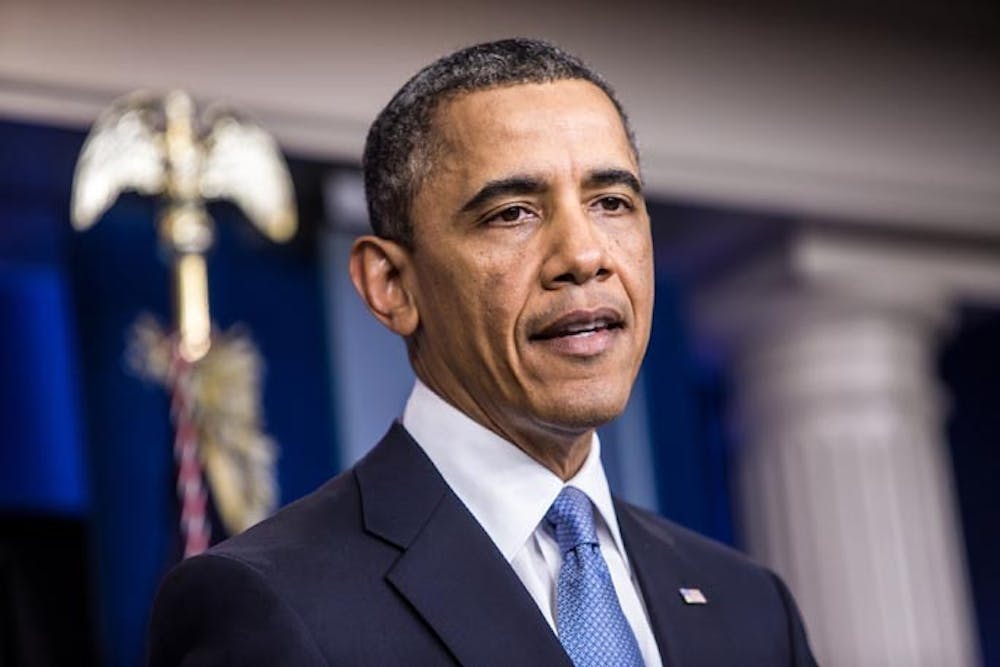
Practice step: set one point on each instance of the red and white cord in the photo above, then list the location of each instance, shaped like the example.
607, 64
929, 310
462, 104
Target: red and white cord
196, 531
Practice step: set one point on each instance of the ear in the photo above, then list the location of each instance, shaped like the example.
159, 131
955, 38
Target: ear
378, 270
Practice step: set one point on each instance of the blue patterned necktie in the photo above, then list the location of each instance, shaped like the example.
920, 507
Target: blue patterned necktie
589, 619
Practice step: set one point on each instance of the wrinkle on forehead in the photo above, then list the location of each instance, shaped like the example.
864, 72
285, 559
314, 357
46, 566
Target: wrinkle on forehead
491, 134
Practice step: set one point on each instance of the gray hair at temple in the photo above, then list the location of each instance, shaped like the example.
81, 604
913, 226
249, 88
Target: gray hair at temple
400, 145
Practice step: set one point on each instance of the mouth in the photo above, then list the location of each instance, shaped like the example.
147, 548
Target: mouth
581, 332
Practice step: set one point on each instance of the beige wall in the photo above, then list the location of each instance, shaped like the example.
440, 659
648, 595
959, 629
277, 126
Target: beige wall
731, 107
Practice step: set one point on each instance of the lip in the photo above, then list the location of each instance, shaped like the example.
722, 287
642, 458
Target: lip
581, 333
577, 321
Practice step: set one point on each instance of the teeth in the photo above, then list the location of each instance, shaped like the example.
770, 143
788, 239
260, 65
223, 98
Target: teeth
581, 328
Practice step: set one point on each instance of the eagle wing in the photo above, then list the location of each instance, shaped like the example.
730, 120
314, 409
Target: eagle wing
122, 152
243, 164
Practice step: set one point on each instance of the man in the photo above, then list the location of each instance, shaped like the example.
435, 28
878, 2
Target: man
513, 255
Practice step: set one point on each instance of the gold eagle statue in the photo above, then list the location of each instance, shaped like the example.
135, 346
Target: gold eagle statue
155, 145
150, 144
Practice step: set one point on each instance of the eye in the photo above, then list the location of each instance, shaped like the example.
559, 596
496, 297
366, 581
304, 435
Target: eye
613, 204
510, 215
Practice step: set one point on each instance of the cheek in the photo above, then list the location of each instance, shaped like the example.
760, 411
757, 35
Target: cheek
475, 299
502, 292
498, 297
635, 254
499, 272
479, 293
636, 266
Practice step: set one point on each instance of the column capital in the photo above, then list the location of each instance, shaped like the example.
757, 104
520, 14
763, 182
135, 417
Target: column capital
819, 272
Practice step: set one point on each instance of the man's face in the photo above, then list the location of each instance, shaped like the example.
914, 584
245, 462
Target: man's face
532, 267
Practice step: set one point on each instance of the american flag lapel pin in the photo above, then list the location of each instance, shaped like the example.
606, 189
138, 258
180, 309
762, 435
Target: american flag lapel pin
693, 596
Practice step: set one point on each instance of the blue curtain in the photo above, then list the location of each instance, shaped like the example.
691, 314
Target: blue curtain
970, 368
686, 395
42, 466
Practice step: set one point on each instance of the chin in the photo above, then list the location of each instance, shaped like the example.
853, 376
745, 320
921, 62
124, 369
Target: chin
588, 407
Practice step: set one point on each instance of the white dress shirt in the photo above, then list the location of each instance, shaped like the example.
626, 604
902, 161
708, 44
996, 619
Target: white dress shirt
509, 493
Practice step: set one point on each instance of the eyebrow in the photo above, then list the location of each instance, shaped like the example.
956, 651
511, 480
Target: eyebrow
528, 185
514, 185
601, 178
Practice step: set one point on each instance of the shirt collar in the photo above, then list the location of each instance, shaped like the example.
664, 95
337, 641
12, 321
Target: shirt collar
507, 491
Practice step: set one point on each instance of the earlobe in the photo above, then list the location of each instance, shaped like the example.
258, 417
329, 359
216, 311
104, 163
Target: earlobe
378, 268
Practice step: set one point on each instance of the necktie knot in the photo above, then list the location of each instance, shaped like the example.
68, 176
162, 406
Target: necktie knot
572, 518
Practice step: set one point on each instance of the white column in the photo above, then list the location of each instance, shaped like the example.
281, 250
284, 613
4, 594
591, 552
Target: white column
845, 483
844, 479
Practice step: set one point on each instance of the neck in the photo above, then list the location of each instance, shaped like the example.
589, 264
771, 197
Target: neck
563, 460
561, 449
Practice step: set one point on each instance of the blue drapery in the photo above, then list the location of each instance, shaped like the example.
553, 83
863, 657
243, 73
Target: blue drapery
41, 464
686, 396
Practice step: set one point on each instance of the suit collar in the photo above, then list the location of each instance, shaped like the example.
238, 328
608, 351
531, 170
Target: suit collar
506, 490
449, 569
399, 488
662, 571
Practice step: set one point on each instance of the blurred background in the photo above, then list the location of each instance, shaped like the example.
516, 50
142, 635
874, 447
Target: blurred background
822, 383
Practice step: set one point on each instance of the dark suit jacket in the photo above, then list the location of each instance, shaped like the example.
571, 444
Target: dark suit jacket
383, 565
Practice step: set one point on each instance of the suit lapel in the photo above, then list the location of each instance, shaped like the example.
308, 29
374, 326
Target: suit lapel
661, 572
450, 571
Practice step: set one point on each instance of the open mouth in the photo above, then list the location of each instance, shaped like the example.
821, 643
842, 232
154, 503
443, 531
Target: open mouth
580, 324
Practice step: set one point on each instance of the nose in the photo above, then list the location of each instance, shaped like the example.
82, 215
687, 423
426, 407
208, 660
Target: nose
577, 249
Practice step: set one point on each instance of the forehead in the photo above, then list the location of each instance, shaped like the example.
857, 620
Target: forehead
538, 128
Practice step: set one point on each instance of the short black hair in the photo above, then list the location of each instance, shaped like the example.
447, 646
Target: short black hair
399, 147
